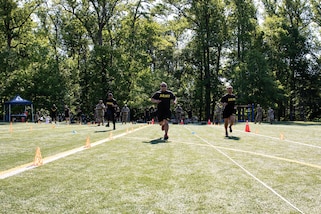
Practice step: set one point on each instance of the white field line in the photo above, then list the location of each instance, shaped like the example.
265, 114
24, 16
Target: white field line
249, 173
25, 167
274, 138
285, 140
255, 153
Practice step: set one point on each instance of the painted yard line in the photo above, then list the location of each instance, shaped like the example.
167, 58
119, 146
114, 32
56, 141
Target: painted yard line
289, 141
254, 153
239, 150
275, 138
249, 173
25, 167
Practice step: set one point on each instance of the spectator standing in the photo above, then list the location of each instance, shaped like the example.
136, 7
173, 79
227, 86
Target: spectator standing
124, 114
99, 111
218, 113
53, 113
259, 114
179, 113
67, 114
271, 115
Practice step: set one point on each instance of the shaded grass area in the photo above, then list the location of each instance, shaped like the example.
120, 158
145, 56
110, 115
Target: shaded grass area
196, 171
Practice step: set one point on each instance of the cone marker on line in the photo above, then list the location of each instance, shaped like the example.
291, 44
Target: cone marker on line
38, 158
10, 128
209, 122
281, 136
88, 143
247, 127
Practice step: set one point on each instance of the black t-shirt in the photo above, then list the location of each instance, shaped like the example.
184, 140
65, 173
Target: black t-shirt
165, 97
230, 100
109, 105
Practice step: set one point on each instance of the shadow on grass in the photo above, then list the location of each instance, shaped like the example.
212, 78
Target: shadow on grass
232, 138
104, 131
156, 141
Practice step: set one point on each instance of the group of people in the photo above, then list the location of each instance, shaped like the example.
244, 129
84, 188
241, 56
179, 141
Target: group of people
259, 115
108, 112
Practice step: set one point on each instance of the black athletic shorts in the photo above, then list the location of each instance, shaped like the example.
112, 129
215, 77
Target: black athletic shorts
161, 115
228, 113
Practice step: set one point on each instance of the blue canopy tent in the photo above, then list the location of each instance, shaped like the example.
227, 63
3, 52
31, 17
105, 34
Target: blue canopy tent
17, 100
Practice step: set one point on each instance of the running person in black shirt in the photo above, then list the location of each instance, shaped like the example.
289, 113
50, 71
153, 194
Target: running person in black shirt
111, 105
163, 99
228, 101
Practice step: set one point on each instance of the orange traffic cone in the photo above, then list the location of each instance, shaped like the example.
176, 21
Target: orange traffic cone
247, 127
153, 121
182, 122
88, 143
209, 122
38, 158
281, 136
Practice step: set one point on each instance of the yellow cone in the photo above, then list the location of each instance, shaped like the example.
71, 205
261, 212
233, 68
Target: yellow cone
111, 135
10, 129
88, 145
281, 136
38, 158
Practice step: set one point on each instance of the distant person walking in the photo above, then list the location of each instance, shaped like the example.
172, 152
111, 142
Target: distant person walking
217, 113
111, 105
100, 110
179, 113
271, 115
124, 114
67, 114
163, 99
228, 102
259, 114
53, 113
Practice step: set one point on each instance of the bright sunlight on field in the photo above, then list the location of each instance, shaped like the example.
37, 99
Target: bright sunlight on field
272, 169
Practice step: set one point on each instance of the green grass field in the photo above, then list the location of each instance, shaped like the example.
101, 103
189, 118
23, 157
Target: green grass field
273, 169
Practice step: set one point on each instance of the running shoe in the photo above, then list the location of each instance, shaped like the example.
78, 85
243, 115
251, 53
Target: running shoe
165, 137
230, 128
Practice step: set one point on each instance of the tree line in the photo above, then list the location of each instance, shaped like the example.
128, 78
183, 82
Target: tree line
74, 52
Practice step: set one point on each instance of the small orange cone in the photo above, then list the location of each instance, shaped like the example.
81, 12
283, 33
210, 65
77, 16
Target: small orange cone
88, 143
281, 136
182, 122
247, 127
153, 121
38, 158
10, 128
209, 122
111, 135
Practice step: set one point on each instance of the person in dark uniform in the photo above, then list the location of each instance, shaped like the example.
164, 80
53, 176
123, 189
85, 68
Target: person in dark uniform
163, 99
228, 102
67, 114
111, 105
53, 113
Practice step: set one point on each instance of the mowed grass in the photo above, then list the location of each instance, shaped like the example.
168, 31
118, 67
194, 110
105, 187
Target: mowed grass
273, 169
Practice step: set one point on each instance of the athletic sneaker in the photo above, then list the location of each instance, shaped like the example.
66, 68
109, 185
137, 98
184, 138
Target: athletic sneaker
165, 137
226, 134
230, 128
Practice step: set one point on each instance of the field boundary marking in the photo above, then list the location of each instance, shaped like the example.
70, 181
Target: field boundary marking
249, 173
46, 160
